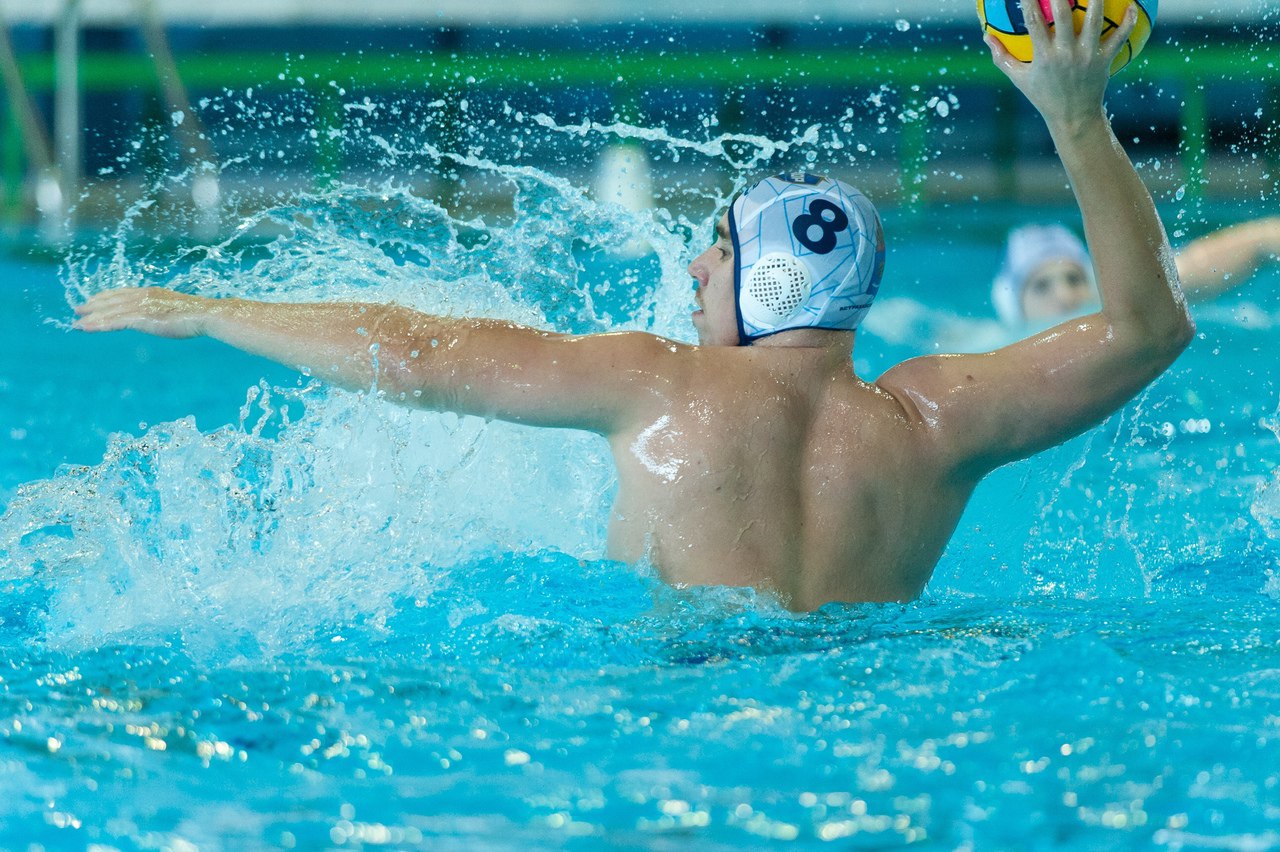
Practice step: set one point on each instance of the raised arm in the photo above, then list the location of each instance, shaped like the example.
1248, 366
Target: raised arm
989, 409
1226, 259
490, 368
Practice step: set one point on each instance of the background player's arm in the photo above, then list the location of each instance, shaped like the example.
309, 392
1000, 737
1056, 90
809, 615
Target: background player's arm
1226, 259
985, 410
484, 367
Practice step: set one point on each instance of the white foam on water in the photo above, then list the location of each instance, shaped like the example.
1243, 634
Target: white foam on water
323, 507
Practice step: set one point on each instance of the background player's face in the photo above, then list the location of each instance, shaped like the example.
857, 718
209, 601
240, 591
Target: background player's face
716, 319
1056, 288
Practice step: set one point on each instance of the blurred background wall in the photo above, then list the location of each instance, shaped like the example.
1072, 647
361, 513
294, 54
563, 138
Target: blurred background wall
103, 96
543, 12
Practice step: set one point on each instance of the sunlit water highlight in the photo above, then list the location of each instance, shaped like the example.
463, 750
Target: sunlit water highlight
335, 622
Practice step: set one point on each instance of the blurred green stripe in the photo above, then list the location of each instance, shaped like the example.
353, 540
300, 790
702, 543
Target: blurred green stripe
862, 67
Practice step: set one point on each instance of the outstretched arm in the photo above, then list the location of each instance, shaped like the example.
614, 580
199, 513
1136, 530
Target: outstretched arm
989, 409
1226, 259
485, 367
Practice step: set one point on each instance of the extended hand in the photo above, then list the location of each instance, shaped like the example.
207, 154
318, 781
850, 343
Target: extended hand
1068, 74
153, 310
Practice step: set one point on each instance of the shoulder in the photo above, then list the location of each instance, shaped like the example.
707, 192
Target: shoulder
621, 348
602, 383
941, 401
641, 375
918, 385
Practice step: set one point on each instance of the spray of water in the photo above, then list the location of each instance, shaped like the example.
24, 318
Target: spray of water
324, 508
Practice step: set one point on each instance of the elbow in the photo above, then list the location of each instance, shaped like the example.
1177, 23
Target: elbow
1186, 332
1172, 340
1158, 341
405, 376
1179, 332
1168, 321
421, 365
1183, 329
403, 347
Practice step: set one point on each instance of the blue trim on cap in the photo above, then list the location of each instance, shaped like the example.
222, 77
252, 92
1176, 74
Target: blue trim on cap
743, 340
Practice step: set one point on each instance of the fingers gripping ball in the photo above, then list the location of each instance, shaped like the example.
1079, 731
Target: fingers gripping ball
1003, 19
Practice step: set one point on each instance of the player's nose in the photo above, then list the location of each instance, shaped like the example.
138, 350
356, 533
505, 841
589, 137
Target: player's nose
1070, 297
698, 269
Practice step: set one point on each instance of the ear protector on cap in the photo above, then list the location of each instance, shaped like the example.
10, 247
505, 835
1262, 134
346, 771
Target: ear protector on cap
774, 291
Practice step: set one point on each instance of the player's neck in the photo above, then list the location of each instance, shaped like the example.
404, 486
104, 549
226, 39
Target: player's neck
810, 338
828, 352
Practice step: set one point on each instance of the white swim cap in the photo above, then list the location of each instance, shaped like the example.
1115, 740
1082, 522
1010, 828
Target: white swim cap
808, 253
1028, 247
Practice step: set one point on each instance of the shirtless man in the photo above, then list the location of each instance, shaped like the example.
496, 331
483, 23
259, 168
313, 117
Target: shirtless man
772, 464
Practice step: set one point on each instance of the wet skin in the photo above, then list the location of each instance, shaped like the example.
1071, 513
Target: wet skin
774, 465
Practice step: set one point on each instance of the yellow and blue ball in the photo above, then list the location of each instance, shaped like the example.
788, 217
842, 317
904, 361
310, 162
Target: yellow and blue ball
1003, 19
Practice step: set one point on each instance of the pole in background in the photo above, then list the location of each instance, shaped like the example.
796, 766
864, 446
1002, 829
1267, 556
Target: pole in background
35, 142
623, 177
57, 222
192, 139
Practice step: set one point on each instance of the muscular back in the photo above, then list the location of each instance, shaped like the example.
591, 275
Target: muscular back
778, 468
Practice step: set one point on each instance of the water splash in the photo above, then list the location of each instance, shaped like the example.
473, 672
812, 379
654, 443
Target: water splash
741, 151
1266, 508
323, 509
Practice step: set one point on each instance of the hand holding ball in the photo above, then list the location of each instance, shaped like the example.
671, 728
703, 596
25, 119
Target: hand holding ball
1003, 19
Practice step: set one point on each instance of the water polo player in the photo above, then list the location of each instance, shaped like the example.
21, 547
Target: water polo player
1047, 274
758, 457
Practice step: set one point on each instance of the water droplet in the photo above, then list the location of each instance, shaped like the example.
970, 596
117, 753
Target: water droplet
902, 24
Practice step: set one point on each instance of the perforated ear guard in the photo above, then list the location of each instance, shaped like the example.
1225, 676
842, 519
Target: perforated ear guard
774, 290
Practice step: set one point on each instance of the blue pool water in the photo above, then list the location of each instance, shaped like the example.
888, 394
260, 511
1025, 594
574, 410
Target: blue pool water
241, 610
